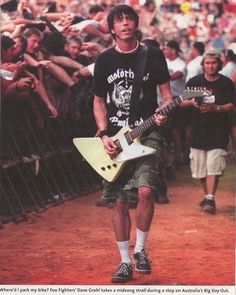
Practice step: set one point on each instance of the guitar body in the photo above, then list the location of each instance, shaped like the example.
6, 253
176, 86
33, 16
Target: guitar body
92, 149
127, 141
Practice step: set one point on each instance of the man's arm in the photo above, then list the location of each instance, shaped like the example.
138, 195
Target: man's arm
176, 75
65, 61
211, 107
100, 114
166, 98
87, 71
208, 107
165, 91
189, 103
31, 61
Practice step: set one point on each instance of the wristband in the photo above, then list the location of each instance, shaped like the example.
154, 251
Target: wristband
102, 133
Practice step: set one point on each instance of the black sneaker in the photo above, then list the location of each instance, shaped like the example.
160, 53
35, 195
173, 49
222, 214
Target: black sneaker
162, 200
105, 202
143, 264
123, 274
208, 206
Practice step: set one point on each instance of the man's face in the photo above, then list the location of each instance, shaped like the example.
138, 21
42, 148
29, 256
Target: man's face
210, 66
73, 48
8, 54
33, 44
194, 52
17, 47
124, 27
169, 52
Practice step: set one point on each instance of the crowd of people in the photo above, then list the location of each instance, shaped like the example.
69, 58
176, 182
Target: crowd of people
74, 62
51, 48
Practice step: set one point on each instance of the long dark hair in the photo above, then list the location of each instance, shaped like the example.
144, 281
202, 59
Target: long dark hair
118, 11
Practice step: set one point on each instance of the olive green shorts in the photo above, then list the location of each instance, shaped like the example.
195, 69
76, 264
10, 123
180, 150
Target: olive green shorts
143, 171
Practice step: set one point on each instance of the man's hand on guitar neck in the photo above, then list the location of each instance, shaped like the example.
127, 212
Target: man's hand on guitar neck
160, 119
110, 147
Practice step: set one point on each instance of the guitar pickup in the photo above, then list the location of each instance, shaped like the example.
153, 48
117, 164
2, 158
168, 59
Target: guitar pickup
128, 138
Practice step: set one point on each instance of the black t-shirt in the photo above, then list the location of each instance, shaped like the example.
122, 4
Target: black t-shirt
114, 78
209, 130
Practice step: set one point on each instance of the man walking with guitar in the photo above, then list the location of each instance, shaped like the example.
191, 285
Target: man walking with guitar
117, 78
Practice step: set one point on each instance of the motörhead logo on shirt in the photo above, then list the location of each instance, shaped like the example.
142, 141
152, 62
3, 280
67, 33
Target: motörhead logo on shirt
121, 74
122, 84
122, 81
114, 78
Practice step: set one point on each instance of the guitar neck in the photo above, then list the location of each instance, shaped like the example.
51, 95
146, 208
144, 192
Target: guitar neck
149, 122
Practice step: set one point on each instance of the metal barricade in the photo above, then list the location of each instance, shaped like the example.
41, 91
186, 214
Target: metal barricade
41, 169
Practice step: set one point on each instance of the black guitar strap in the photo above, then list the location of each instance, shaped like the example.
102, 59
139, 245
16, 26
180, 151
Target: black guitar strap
138, 79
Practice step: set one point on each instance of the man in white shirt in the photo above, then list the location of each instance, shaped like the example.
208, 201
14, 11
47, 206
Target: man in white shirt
176, 66
179, 119
194, 67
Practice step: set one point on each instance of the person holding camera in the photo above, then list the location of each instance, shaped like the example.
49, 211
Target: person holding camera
209, 133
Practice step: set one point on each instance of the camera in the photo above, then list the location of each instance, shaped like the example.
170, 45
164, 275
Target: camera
205, 99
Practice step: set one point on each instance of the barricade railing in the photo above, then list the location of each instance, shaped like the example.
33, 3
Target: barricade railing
40, 167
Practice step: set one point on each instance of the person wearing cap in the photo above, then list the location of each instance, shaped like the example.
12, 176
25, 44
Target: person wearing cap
209, 133
176, 66
194, 66
179, 119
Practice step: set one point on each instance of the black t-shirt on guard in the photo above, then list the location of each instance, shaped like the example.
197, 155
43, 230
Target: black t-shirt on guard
210, 130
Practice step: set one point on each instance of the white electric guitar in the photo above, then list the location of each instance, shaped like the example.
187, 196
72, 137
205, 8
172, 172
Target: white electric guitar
127, 140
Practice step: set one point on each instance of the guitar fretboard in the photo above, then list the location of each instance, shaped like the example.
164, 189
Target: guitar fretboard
166, 110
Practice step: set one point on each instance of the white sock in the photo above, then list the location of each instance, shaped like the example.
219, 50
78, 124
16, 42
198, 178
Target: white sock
209, 197
141, 238
124, 251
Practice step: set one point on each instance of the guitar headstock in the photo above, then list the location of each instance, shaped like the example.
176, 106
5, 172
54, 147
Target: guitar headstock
191, 92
